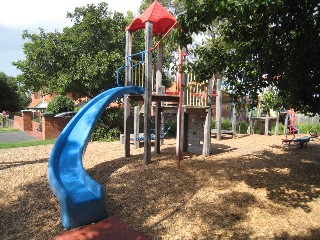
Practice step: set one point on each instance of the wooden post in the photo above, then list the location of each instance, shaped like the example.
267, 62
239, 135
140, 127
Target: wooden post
148, 92
157, 143
218, 110
266, 125
180, 119
276, 131
207, 126
250, 129
234, 122
136, 125
159, 68
126, 102
184, 118
285, 124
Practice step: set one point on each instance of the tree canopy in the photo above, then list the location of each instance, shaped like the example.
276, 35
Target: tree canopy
81, 60
250, 39
12, 99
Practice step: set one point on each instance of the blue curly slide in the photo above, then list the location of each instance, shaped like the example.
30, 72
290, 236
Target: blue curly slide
81, 198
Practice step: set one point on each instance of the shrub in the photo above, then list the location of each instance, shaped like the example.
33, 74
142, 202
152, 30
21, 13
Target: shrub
170, 127
109, 126
36, 120
99, 133
226, 124
243, 126
213, 124
60, 104
305, 128
113, 134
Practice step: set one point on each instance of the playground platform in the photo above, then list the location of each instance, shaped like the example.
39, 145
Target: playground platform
110, 228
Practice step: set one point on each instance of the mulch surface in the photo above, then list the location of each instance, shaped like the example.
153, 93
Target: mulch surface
252, 187
110, 228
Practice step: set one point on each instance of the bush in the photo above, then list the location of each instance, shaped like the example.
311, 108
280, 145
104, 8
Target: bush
305, 128
170, 126
60, 104
113, 134
280, 128
226, 124
213, 124
109, 126
36, 120
243, 127
99, 133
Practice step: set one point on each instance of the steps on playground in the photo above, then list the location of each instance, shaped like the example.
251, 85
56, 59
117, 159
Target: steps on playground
110, 228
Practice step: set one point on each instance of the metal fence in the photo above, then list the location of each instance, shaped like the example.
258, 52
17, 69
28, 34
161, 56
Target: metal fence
9, 123
301, 118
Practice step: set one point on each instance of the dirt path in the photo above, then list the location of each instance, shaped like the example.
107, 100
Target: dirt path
251, 187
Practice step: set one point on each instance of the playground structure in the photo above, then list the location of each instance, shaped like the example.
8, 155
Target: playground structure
191, 100
266, 119
291, 122
196, 97
81, 198
292, 129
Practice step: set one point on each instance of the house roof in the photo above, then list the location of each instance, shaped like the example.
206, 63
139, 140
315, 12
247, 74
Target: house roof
38, 104
162, 20
173, 89
34, 103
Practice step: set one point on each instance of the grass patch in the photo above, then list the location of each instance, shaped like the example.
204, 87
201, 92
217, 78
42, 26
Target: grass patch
26, 144
8, 129
307, 127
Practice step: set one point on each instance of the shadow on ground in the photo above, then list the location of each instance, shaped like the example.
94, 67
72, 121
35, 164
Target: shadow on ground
155, 197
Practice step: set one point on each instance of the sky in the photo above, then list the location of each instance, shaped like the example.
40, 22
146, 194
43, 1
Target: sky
19, 15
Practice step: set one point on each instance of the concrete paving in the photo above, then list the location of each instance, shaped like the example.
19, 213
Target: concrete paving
18, 136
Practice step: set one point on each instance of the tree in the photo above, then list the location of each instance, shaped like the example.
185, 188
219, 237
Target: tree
60, 104
12, 99
252, 38
173, 6
81, 60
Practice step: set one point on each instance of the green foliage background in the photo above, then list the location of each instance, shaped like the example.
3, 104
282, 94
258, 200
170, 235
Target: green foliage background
60, 104
12, 97
246, 39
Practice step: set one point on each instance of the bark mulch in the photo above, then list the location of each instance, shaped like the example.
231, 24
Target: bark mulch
252, 187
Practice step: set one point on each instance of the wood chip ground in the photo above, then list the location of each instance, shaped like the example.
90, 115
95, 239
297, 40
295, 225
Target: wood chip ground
252, 187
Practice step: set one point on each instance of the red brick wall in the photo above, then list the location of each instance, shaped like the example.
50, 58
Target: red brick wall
35, 126
52, 127
26, 120
17, 122
225, 110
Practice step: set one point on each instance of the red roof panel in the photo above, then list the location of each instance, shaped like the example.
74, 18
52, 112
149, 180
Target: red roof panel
162, 20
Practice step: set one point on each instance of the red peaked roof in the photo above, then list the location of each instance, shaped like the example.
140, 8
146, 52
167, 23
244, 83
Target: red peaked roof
162, 20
